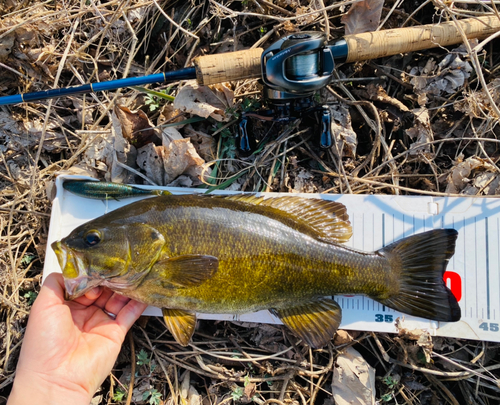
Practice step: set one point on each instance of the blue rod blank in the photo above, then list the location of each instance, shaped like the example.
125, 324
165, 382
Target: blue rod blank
183, 74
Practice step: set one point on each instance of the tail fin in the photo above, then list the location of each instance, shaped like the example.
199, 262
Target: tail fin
420, 262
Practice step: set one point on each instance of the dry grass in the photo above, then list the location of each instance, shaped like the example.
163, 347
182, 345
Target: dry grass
57, 44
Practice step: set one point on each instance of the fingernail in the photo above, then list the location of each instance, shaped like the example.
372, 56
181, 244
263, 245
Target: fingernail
94, 293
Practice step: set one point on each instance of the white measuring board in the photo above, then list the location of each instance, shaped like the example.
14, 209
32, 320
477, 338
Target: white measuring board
473, 273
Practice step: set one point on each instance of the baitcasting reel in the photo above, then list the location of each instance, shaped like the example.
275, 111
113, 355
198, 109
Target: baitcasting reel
293, 69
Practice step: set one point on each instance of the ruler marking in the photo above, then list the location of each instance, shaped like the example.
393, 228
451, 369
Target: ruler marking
487, 270
404, 226
465, 271
393, 225
363, 231
383, 230
475, 261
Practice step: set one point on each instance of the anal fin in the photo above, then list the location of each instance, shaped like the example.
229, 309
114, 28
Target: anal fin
180, 323
316, 322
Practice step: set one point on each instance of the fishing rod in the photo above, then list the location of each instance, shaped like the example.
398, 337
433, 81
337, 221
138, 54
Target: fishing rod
298, 64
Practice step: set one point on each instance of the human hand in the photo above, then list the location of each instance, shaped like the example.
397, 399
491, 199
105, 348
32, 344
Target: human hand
70, 346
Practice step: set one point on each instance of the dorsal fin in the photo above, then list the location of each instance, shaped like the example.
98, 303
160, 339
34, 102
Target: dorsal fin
327, 218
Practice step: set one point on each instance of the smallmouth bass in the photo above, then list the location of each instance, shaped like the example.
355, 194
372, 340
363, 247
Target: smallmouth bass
237, 254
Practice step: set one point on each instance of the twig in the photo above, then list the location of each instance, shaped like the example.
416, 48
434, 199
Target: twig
132, 367
433, 380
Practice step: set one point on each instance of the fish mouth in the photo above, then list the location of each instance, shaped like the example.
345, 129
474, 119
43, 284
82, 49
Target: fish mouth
74, 269
76, 287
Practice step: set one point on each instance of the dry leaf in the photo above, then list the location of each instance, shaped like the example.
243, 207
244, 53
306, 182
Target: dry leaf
6, 44
363, 16
170, 115
446, 77
11, 134
194, 398
250, 390
303, 182
80, 169
204, 143
54, 140
342, 337
303, 16
182, 181
412, 334
421, 132
136, 127
477, 103
204, 101
150, 162
185, 384
458, 180
353, 380
170, 134
83, 111
266, 333
346, 140
113, 149
181, 158
164, 164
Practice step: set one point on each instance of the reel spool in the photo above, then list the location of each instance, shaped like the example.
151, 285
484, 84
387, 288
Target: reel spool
298, 63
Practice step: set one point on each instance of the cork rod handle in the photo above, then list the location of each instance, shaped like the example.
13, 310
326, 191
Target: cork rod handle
226, 67
371, 45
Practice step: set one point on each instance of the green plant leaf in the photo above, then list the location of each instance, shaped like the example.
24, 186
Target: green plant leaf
143, 358
154, 396
237, 393
118, 395
154, 93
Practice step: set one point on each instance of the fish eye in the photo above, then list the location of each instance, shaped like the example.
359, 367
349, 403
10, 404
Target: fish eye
92, 238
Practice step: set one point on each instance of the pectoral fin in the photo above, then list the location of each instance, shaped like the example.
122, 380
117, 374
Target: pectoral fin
180, 323
314, 321
187, 270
